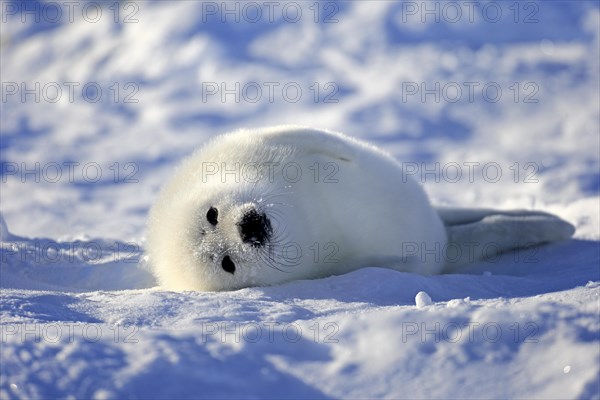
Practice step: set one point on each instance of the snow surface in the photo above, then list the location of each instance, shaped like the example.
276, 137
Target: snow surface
81, 316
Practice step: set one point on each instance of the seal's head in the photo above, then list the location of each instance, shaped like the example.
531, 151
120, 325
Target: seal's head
232, 236
229, 218
217, 240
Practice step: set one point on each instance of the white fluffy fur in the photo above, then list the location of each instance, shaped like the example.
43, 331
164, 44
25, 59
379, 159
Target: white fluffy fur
320, 228
360, 220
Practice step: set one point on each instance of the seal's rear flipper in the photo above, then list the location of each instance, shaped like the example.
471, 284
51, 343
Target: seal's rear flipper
477, 234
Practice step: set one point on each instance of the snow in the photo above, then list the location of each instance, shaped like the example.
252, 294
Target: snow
4, 233
422, 299
81, 316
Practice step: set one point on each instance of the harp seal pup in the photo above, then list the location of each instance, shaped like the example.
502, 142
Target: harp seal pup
266, 206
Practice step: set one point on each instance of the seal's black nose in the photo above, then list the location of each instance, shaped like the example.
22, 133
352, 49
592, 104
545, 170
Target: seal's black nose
255, 228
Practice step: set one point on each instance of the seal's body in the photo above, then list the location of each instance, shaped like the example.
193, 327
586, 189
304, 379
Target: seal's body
261, 207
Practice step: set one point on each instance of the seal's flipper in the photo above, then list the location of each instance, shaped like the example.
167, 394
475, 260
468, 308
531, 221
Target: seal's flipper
477, 234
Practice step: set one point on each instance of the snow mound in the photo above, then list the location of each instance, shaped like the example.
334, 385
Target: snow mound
422, 300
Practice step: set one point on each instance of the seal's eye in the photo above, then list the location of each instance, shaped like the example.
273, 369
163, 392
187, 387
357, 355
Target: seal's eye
211, 216
228, 265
